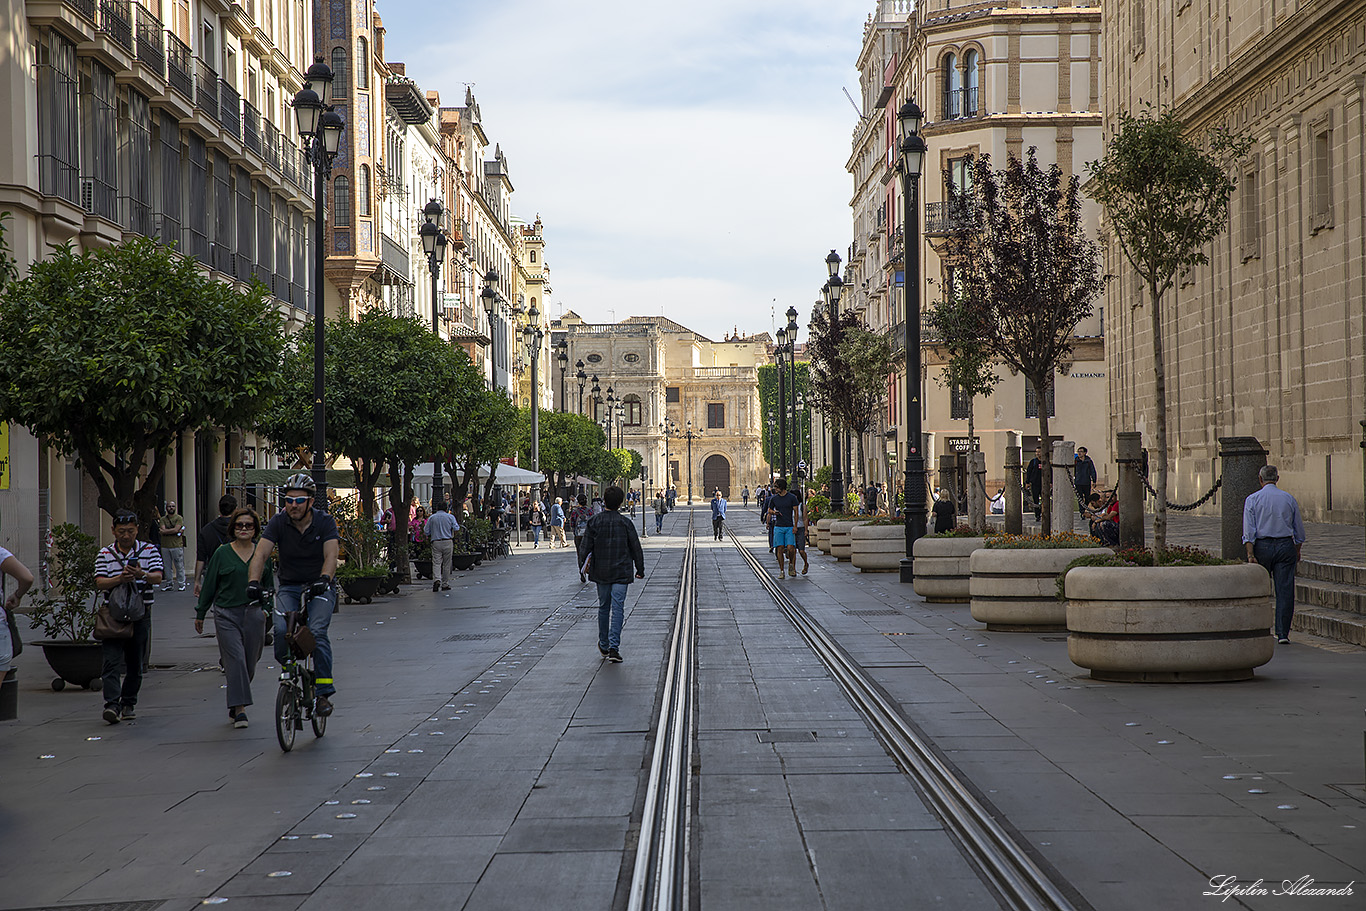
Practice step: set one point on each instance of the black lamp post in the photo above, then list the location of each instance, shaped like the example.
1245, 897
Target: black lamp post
691, 435
909, 165
642, 499
582, 378
621, 424
792, 382
532, 335
489, 297
562, 356
668, 428
609, 412
595, 400
833, 289
434, 245
780, 358
320, 130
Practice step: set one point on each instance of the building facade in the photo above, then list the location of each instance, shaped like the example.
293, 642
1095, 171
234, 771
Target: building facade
168, 119
1269, 338
993, 79
674, 384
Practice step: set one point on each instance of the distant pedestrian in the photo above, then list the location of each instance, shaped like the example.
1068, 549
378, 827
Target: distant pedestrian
238, 624
441, 529
173, 548
782, 509
661, 509
537, 522
1083, 475
130, 569
718, 513
612, 547
10, 643
744, 494
803, 528
557, 523
578, 523
1274, 534
672, 495
945, 514
1034, 481
212, 536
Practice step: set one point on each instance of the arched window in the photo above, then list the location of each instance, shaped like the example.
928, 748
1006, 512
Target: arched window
339, 72
362, 63
970, 82
341, 207
533, 255
633, 410
363, 191
952, 86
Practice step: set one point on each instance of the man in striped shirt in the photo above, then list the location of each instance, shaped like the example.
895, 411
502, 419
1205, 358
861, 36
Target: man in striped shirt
127, 561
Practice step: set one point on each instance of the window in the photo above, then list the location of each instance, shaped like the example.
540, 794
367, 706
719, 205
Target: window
1250, 217
533, 255
633, 411
671, 394
960, 403
716, 415
952, 86
1032, 400
135, 163
341, 209
363, 191
594, 358
362, 64
631, 357
58, 111
1322, 193
167, 189
339, 72
970, 81
98, 158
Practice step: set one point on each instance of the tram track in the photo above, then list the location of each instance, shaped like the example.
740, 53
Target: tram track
659, 880
1001, 861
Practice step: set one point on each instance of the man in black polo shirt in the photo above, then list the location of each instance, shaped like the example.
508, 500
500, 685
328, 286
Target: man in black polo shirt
309, 544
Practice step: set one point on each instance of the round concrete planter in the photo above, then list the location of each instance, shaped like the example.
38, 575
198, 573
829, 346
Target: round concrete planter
823, 535
878, 548
841, 537
1170, 624
1015, 589
942, 568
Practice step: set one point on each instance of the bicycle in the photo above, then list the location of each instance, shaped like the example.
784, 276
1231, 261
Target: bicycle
295, 699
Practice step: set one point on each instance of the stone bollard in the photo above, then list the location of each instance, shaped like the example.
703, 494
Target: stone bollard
1240, 459
1014, 522
1064, 494
1129, 456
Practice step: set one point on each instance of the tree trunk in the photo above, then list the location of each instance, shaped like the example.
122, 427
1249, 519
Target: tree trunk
976, 519
399, 504
1160, 380
1046, 469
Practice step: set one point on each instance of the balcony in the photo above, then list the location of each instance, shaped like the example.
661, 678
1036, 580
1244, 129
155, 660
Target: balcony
116, 21
220, 259
206, 88
229, 109
272, 147
151, 42
251, 128
298, 295
943, 218
394, 257
178, 63
85, 7
960, 104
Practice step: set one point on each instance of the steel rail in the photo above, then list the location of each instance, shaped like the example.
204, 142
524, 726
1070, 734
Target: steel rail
659, 881
1001, 860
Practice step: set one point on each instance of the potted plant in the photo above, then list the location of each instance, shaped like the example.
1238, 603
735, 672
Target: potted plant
360, 583
362, 544
1179, 615
878, 546
943, 564
472, 545
1014, 579
66, 610
841, 536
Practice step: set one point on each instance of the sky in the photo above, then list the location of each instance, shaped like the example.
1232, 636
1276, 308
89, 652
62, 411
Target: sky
686, 159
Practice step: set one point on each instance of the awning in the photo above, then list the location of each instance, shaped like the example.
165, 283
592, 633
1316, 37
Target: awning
511, 475
337, 478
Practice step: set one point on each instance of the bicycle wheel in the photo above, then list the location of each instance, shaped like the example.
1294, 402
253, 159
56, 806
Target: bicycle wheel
319, 721
286, 711
319, 724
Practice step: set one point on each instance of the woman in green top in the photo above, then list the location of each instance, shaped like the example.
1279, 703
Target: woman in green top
239, 625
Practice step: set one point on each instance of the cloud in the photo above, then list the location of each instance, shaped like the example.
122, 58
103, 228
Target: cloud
689, 157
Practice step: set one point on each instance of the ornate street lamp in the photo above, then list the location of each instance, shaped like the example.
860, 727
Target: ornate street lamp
532, 335
780, 358
489, 298
434, 245
832, 291
691, 435
909, 165
320, 130
582, 378
562, 356
792, 382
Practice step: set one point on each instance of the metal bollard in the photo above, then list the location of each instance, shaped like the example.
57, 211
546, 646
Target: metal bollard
1129, 456
1240, 460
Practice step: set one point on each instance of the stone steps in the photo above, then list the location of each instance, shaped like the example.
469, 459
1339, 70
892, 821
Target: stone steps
1330, 601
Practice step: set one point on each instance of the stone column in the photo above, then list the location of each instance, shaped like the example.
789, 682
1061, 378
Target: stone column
1240, 460
1064, 494
1129, 455
977, 471
1014, 518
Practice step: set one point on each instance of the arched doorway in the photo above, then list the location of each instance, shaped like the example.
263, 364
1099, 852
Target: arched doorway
715, 474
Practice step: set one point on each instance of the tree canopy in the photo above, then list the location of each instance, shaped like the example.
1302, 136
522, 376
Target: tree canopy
770, 410
1028, 270
1165, 199
571, 444
112, 354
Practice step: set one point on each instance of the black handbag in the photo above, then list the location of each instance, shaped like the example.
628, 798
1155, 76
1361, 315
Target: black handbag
16, 643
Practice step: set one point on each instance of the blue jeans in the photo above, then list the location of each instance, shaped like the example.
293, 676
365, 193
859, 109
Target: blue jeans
536, 533
1278, 556
319, 620
659, 522
611, 613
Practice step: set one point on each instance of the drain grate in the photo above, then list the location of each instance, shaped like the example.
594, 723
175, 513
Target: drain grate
881, 612
1052, 638
474, 637
786, 736
103, 906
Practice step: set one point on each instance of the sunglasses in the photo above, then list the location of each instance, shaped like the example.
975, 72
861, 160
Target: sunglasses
250, 525
294, 501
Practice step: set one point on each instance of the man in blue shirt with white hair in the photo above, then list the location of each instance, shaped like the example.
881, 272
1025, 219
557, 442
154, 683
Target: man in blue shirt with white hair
1274, 534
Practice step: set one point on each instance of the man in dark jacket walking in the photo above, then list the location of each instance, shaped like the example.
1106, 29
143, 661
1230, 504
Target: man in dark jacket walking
213, 535
612, 547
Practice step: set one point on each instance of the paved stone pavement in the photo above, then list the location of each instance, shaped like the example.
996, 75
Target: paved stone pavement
483, 757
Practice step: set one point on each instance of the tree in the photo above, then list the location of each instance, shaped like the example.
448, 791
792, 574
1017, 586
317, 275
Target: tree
487, 432
1165, 199
616, 464
770, 410
112, 354
970, 369
868, 357
571, 444
831, 381
1028, 272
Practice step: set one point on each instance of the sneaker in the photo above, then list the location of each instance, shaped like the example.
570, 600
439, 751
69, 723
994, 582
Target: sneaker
323, 707
614, 656
182, 586
782, 574
111, 714
166, 587
445, 588
603, 650
127, 713
1283, 641
436, 586
239, 720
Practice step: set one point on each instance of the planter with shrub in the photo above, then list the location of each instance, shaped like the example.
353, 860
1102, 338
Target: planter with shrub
943, 568
842, 537
66, 611
1014, 579
878, 546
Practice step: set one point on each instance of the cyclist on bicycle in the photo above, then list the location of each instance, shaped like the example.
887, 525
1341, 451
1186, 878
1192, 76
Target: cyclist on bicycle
309, 545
